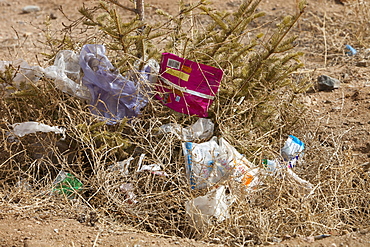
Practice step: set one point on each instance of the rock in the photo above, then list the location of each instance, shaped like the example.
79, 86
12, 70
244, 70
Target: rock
53, 16
30, 9
327, 83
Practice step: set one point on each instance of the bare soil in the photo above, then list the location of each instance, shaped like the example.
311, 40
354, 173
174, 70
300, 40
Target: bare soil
344, 110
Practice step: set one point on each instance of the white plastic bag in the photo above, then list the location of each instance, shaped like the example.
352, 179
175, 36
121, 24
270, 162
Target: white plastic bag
210, 162
66, 74
214, 204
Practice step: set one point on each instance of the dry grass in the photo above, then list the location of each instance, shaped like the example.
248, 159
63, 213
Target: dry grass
339, 201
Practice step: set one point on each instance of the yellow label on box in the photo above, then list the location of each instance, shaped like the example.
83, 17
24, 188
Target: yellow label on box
179, 74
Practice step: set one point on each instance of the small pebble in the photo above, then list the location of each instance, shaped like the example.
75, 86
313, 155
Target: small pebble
30, 9
53, 16
285, 237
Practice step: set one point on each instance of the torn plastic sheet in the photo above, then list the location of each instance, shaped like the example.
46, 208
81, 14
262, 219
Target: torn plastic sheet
154, 169
214, 204
22, 129
66, 74
202, 129
122, 166
186, 86
113, 96
210, 162
24, 72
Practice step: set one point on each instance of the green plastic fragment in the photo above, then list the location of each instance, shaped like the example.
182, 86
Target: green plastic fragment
67, 184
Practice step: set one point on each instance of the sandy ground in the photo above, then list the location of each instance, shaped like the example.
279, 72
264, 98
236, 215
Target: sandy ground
345, 109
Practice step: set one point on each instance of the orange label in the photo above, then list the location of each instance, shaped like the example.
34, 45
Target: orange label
186, 69
178, 92
247, 179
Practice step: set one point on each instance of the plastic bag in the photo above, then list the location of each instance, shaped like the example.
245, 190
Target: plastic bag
244, 171
24, 72
66, 74
113, 96
202, 129
214, 204
22, 129
210, 162
186, 86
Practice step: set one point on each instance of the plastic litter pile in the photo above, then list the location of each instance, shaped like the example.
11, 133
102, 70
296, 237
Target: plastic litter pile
184, 86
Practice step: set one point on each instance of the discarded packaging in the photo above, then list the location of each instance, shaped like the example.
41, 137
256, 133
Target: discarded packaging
186, 86
66, 74
22, 129
214, 204
202, 129
67, 184
210, 162
292, 150
318, 237
351, 51
291, 153
113, 96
